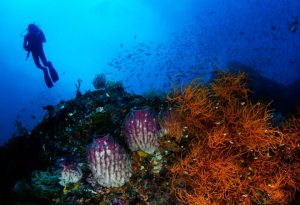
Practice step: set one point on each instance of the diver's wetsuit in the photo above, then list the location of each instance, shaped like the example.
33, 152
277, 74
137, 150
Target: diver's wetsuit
33, 42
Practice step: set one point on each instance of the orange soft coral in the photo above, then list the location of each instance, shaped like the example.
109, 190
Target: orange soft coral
193, 107
248, 127
228, 87
171, 125
235, 155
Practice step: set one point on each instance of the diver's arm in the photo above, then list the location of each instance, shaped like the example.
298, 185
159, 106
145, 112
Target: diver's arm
26, 43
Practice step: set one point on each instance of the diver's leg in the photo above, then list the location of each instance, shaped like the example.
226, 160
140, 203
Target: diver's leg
45, 71
43, 57
52, 70
37, 61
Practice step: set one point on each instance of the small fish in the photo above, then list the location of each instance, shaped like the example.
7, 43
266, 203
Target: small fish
293, 26
169, 76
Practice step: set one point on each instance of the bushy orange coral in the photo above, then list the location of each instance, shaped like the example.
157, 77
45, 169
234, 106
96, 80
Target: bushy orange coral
193, 105
248, 127
228, 87
235, 155
171, 125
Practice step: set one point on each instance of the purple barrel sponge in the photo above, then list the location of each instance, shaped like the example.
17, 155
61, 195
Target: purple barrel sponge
109, 162
141, 130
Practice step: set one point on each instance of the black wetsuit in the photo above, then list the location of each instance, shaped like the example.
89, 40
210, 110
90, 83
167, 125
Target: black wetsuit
33, 42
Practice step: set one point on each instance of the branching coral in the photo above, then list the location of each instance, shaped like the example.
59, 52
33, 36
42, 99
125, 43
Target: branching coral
235, 155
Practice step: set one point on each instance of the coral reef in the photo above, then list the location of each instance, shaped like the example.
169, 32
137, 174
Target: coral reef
108, 162
141, 130
209, 144
235, 155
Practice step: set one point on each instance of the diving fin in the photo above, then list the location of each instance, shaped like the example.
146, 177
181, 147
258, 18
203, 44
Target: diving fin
47, 78
53, 73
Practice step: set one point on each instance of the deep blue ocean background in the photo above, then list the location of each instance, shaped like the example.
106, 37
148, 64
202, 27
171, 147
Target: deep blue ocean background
150, 46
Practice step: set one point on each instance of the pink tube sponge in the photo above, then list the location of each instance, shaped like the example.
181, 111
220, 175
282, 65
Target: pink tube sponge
70, 174
141, 130
109, 162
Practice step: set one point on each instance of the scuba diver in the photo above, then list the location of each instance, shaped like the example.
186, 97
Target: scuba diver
33, 43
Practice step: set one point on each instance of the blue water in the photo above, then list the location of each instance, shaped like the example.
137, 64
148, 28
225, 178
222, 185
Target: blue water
148, 45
